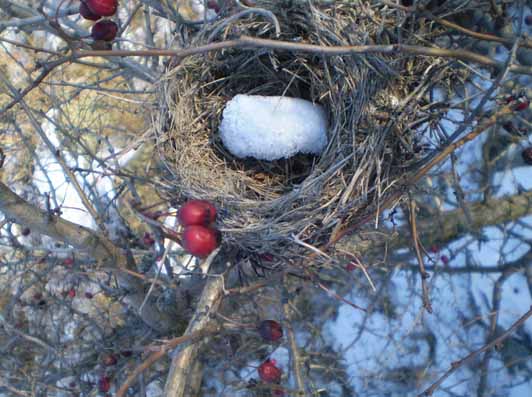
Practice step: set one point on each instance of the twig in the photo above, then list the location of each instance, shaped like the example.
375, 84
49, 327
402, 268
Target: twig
424, 275
360, 265
247, 42
457, 364
247, 11
29, 338
338, 297
155, 356
296, 356
481, 36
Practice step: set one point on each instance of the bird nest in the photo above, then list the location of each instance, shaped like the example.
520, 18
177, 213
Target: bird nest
266, 206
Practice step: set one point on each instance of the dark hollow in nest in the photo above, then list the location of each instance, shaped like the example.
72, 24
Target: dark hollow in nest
264, 204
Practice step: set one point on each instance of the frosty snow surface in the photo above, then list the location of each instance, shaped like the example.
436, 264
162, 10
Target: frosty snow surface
272, 127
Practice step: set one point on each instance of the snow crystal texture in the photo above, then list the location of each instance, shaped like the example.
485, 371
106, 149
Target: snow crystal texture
272, 127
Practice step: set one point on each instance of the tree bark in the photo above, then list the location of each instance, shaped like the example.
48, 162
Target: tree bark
184, 363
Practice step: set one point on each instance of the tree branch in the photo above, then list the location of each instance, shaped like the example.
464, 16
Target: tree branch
457, 364
247, 42
445, 227
184, 362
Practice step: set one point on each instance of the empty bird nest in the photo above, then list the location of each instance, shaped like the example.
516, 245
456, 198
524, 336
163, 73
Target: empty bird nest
266, 206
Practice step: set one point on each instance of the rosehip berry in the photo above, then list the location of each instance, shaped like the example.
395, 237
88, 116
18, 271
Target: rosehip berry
86, 12
200, 241
104, 30
197, 212
89, 295
267, 257
148, 239
350, 267
105, 8
72, 293
68, 262
104, 384
270, 330
523, 104
213, 5
269, 373
444, 259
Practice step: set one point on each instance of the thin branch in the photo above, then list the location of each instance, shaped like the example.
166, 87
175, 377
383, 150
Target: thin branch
296, 356
247, 42
423, 273
481, 36
457, 364
156, 356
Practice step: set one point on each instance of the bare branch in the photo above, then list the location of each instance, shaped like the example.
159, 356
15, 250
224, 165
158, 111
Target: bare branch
457, 364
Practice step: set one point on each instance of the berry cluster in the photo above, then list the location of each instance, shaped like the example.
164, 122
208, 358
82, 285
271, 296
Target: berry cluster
199, 238
94, 10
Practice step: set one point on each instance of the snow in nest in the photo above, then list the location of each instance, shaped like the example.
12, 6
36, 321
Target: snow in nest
272, 128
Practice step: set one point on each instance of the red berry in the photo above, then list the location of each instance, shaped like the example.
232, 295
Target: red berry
434, 249
350, 267
104, 30
197, 212
109, 360
68, 262
72, 293
26, 231
37, 296
148, 239
528, 20
270, 330
105, 8
267, 257
523, 104
444, 259
199, 240
86, 12
213, 5
89, 295
527, 155
269, 373
104, 384
72, 385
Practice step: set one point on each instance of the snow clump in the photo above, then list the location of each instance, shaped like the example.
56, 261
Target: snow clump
272, 127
